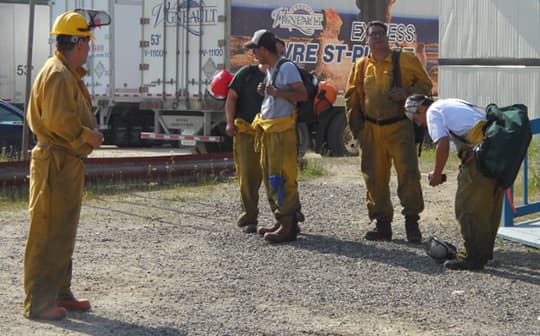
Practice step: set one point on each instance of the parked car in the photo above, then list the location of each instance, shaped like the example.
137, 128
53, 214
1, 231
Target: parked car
11, 130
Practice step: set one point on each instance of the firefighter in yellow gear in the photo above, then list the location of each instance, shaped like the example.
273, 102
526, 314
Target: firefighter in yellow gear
280, 171
478, 200
276, 135
248, 169
60, 116
242, 104
384, 132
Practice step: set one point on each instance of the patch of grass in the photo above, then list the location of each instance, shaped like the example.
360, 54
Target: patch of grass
9, 154
193, 191
17, 196
13, 197
533, 170
427, 160
183, 198
312, 168
533, 157
120, 186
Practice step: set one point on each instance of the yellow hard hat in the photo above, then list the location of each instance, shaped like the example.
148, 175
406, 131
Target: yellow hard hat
72, 23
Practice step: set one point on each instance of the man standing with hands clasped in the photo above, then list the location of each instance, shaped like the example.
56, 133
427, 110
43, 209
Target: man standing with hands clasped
386, 135
60, 116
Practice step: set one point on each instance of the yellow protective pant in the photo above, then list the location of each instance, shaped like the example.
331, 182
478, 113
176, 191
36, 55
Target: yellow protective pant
478, 207
56, 187
248, 170
279, 158
382, 145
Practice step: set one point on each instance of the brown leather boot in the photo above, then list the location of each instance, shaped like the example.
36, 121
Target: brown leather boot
382, 231
69, 302
285, 233
263, 230
52, 313
411, 227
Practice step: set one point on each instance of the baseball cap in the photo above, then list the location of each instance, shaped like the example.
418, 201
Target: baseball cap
261, 38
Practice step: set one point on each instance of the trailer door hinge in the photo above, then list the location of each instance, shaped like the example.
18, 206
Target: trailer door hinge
143, 89
221, 43
144, 44
144, 66
144, 20
222, 18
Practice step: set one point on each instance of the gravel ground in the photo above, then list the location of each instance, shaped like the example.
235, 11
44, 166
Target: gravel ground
172, 262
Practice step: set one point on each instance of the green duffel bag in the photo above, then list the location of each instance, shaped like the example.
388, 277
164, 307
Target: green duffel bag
507, 135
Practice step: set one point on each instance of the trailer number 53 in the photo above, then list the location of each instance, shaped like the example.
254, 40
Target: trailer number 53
22, 69
154, 39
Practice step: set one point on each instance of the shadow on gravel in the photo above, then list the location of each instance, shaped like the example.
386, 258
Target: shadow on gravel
132, 214
395, 253
154, 206
89, 324
516, 265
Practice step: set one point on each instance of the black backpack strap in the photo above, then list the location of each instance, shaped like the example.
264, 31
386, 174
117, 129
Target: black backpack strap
419, 131
278, 66
460, 138
396, 71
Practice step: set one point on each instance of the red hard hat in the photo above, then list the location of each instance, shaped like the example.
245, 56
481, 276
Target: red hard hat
219, 86
326, 96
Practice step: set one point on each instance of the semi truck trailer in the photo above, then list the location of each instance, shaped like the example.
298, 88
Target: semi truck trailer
150, 69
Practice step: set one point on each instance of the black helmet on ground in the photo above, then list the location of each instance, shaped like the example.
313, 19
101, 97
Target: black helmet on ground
440, 250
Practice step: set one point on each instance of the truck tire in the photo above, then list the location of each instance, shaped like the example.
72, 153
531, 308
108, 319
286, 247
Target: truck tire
352, 146
339, 139
119, 134
226, 146
134, 135
303, 139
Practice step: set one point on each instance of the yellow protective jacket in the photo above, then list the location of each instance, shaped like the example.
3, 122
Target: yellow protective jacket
371, 95
59, 110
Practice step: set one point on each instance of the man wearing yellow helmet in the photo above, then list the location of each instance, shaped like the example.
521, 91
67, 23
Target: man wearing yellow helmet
60, 115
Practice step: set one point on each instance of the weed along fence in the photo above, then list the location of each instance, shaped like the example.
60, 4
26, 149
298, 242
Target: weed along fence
528, 231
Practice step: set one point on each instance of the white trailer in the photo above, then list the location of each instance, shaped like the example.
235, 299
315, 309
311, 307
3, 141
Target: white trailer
490, 52
14, 25
150, 68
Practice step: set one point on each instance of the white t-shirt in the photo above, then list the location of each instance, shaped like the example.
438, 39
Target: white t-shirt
455, 115
274, 107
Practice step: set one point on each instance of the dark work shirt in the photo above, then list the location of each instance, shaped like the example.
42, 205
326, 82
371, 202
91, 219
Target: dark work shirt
245, 83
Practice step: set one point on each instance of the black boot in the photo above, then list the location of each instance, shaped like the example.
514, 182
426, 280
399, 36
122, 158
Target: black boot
411, 227
382, 231
298, 217
459, 265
